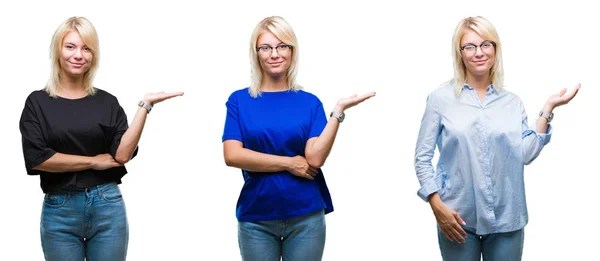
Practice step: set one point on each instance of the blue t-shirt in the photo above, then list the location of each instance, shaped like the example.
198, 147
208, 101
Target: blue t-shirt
277, 123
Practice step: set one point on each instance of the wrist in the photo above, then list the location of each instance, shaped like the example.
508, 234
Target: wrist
338, 108
145, 105
91, 162
548, 108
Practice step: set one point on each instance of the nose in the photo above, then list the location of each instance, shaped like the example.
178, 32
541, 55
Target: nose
478, 51
274, 53
77, 55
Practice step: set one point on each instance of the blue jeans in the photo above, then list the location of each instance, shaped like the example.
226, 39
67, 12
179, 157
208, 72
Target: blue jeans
494, 247
295, 239
84, 223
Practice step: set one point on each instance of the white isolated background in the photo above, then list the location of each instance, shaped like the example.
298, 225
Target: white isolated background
181, 197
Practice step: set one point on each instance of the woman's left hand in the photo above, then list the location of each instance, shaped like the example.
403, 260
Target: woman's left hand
347, 103
154, 98
560, 98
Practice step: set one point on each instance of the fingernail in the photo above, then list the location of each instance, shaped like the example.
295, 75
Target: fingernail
463, 223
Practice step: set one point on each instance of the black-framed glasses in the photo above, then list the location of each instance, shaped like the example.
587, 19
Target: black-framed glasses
485, 46
266, 49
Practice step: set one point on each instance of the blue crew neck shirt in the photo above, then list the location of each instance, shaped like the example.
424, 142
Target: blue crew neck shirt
277, 123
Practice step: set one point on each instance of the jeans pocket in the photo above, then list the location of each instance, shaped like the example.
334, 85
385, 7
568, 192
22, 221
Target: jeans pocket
112, 194
56, 199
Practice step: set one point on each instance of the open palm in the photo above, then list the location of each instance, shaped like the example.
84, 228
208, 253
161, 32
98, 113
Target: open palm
562, 99
154, 98
347, 103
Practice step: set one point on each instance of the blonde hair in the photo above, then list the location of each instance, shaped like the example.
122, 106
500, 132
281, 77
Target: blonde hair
283, 31
487, 31
88, 34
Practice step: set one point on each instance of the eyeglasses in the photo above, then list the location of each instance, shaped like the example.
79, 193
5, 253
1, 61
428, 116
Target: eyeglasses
282, 48
485, 46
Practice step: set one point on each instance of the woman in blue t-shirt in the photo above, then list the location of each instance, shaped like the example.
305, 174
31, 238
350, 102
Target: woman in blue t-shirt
280, 137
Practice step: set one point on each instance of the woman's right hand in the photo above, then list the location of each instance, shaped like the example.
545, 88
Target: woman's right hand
104, 161
299, 167
448, 220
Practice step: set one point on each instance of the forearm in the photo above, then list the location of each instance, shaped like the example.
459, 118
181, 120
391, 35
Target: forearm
318, 151
131, 137
60, 162
541, 124
435, 201
250, 160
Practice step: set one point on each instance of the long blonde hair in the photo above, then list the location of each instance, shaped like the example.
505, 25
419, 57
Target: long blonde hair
283, 31
89, 36
487, 31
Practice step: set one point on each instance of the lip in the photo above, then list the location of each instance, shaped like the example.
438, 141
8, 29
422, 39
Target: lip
480, 62
77, 64
275, 63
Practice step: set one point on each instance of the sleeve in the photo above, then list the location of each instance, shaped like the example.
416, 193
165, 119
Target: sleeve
319, 121
35, 149
114, 133
533, 142
232, 129
426, 142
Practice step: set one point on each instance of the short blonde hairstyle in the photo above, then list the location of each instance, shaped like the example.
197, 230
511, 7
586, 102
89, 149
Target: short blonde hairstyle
487, 31
89, 36
283, 31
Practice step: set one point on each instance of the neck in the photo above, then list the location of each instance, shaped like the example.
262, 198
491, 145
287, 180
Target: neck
478, 82
71, 87
273, 84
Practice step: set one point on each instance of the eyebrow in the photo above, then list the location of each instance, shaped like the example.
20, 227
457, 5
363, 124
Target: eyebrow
280, 43
477, 44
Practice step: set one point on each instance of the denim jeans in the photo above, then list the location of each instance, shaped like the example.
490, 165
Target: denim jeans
84, 223
494, 247
295, 239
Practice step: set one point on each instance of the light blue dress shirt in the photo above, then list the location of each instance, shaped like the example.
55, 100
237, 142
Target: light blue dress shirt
483, 148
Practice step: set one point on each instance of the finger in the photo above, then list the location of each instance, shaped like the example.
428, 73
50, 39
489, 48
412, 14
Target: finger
172, 94
448, 235
457, 235
573, 93
312, 171
366, 96
308, 176
562, 92
460, 222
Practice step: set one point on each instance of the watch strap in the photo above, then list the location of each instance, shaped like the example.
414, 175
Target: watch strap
145, 105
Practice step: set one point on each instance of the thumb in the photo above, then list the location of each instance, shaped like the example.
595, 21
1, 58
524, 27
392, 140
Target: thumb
459, 219
562, 92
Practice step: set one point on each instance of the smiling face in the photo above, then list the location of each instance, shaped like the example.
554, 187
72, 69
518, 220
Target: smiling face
478, 54
274, 55
76, 58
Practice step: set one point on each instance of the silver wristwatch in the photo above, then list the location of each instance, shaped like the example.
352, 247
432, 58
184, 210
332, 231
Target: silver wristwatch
145, 105
339, 116
548, 116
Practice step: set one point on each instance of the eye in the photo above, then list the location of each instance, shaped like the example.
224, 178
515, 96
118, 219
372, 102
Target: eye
469, 47
487, 44
69, 47
283, 47
87, 49
264, 48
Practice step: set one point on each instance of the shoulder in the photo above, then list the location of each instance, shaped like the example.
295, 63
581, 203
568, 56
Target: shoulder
309, 97
443, 93
105, 97
38, 94
510, 96
104, 94
240, 93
